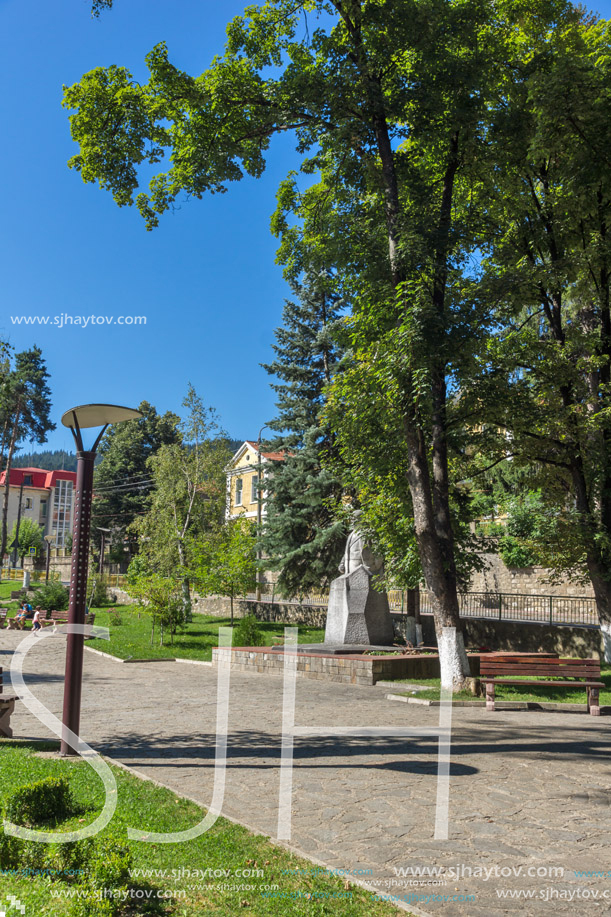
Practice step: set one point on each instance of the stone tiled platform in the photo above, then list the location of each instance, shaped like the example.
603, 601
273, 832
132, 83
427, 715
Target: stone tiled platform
530, 792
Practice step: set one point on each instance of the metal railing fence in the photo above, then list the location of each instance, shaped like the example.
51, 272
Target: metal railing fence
499, 606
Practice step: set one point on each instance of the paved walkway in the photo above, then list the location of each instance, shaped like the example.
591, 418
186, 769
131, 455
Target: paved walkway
530, 791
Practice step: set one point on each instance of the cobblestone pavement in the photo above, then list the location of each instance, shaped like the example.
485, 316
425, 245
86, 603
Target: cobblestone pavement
530, 791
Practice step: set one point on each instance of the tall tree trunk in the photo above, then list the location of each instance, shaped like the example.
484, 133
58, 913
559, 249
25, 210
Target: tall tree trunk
5, 429
430, 503
431, 499
594, 511
186, 587
7, 480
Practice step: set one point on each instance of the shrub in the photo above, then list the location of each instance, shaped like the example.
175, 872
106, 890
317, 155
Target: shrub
71, 861
107, 866
100, 595
53, 596
29, 857
46, 800
110, 862
248, 632
10, 852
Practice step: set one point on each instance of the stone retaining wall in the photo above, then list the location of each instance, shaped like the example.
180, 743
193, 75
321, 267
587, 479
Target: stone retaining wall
350, 670
522, 636
496, 577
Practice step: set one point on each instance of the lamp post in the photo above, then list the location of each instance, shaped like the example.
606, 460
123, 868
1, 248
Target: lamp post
77, 419
49, 539
104, 532
259, 512
18, 526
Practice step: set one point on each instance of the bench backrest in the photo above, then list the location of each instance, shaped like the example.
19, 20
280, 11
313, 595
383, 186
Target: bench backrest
56, 615
545, 667
3, 612
63, 616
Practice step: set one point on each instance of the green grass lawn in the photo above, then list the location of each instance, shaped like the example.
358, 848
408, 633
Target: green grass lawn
226, 846
514, 692
133, 636
5, 594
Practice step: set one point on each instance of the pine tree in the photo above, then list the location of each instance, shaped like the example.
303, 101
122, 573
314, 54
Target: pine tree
123, 479
301, 536
25, 408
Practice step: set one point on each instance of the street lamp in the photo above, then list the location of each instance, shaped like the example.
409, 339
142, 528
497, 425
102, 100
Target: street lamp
104, 532
49, 539
77, 419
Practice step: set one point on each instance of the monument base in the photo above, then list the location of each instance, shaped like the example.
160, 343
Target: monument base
358, 614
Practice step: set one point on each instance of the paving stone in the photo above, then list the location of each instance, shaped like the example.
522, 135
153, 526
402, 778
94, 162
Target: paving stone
526, 787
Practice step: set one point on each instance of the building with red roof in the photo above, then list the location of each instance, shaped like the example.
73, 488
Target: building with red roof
47, 497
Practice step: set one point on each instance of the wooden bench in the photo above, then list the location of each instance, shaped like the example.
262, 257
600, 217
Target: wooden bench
7, 705
54, 618
3, 616
520, 671
15, 624
61, 617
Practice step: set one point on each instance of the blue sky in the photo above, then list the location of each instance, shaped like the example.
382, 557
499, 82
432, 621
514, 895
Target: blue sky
205, 279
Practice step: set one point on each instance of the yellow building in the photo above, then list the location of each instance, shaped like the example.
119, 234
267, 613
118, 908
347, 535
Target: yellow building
243, 473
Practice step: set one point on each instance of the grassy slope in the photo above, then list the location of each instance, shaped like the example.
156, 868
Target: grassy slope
226, 846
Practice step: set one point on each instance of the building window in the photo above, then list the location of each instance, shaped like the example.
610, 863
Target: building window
254, 489
43, 509
238, 491
62, 510
28, 503
27, 480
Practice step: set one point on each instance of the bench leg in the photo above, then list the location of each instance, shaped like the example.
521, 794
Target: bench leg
593, 702
5, 717
489, 696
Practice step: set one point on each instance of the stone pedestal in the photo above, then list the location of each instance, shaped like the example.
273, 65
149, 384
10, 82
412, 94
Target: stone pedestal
357, 613
410, 630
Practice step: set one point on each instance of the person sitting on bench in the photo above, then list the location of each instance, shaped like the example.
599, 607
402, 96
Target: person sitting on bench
25, 614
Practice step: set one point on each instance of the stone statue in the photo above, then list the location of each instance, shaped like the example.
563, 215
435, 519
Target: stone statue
357, 554
358, 613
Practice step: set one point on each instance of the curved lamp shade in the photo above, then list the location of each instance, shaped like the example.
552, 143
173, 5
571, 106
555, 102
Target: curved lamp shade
98, 415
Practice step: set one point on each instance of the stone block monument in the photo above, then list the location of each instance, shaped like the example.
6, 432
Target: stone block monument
357, 612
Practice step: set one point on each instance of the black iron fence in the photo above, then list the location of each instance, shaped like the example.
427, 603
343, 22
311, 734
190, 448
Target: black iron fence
499, 606
541, 609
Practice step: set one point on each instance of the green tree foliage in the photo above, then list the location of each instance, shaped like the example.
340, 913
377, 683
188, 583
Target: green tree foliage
547, 377
302, 536
25, 408
223, 562
188, 495
122, 479
30, 536
53, 597
400, 110
160, 596
49, 459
